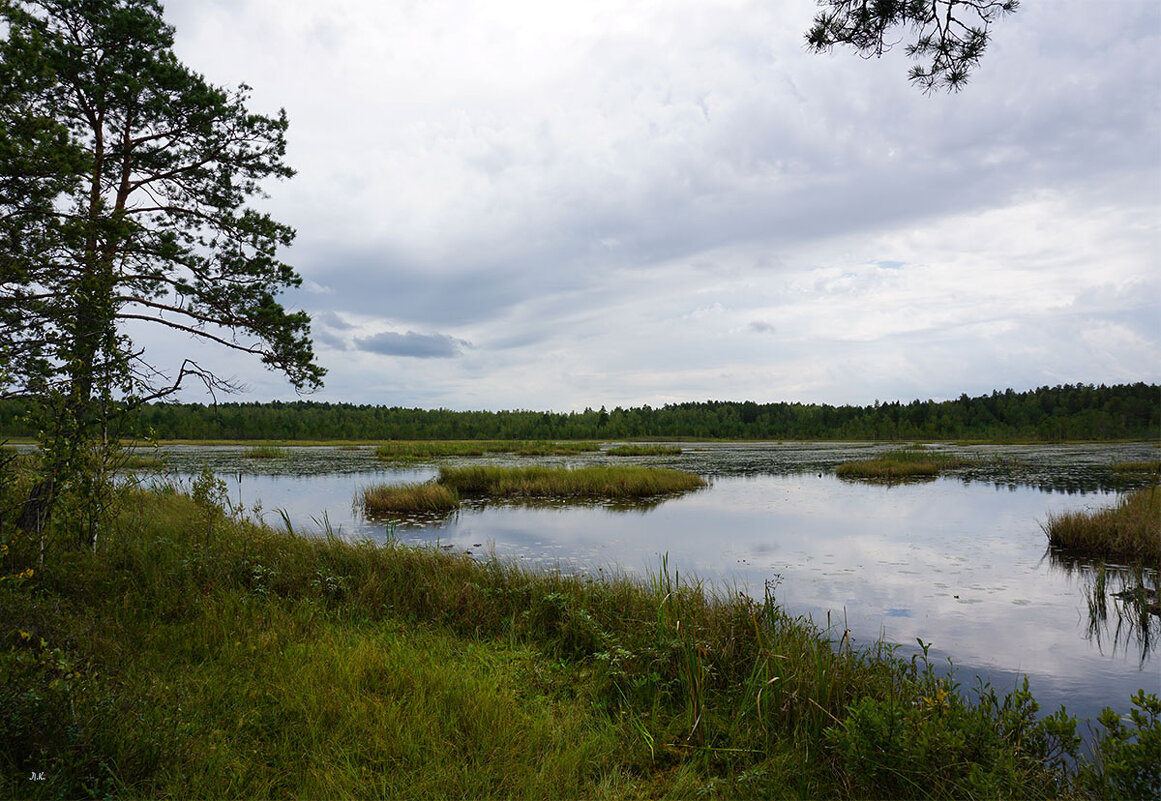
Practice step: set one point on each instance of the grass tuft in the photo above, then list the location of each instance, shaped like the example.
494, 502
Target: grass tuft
1129, 530
644, 450
409, 499
901, 464
266, 452
585, 482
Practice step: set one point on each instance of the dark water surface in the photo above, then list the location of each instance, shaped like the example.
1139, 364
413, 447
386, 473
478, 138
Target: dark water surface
960, 561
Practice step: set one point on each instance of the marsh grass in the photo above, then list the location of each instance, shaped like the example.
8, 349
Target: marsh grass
644, 450
259, 664
137, 461
1150, 469
409, 499
1129, 530
914, 462
613, 482
431, 450
266, 452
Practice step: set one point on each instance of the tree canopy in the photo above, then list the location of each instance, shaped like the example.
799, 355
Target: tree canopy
125, 188
950, 36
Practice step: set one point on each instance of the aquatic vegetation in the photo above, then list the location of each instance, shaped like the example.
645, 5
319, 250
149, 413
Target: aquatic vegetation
431, 450
1149, 469
266, 452
409, 499
914, 462
584, 482
1129, 530
644, 450
137, 461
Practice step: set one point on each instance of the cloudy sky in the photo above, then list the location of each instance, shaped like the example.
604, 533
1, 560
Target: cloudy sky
535, 205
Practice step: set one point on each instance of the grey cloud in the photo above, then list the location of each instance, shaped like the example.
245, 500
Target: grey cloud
331, 320
418, 346
762, 327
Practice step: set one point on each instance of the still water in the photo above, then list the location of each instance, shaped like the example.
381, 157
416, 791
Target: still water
959, 562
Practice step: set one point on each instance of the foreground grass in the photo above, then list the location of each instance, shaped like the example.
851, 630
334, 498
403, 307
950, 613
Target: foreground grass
193, 655
901, 464
585, 482
1130, 530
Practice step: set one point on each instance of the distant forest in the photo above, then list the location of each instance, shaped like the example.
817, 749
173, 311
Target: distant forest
1067, 412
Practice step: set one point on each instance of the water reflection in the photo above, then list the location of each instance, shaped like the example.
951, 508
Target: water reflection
1124, 610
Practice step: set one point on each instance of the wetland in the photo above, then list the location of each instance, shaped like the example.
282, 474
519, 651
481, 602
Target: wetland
958, 560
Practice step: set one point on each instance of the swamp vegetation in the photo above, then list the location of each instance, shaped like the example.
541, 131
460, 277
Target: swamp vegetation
905, 463
194, 652
1128, 531
535, 481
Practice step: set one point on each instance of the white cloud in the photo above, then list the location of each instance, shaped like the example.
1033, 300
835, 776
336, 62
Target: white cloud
641, 202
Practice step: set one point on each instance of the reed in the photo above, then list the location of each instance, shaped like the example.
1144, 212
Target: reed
644, 450
584, 482
1130, 529
409, 499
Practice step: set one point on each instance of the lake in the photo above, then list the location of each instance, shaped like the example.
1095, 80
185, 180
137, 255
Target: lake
960, 561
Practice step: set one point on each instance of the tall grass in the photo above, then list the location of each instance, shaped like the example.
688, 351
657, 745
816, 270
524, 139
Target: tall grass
258, 664
901, 464
409, 498
644, 450
1131, 529
583, 482
266, 452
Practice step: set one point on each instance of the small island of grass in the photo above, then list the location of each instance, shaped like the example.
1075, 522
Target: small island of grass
915, 462
409, 499
644, 450
266, 452
585, 482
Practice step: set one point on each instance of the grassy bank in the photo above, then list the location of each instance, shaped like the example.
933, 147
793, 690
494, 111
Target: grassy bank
901, 464
1130, 530
585, 482
194, 655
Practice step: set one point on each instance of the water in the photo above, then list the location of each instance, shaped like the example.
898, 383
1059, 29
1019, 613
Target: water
959, 562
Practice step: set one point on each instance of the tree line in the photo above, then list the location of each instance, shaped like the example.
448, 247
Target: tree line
1064, 412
